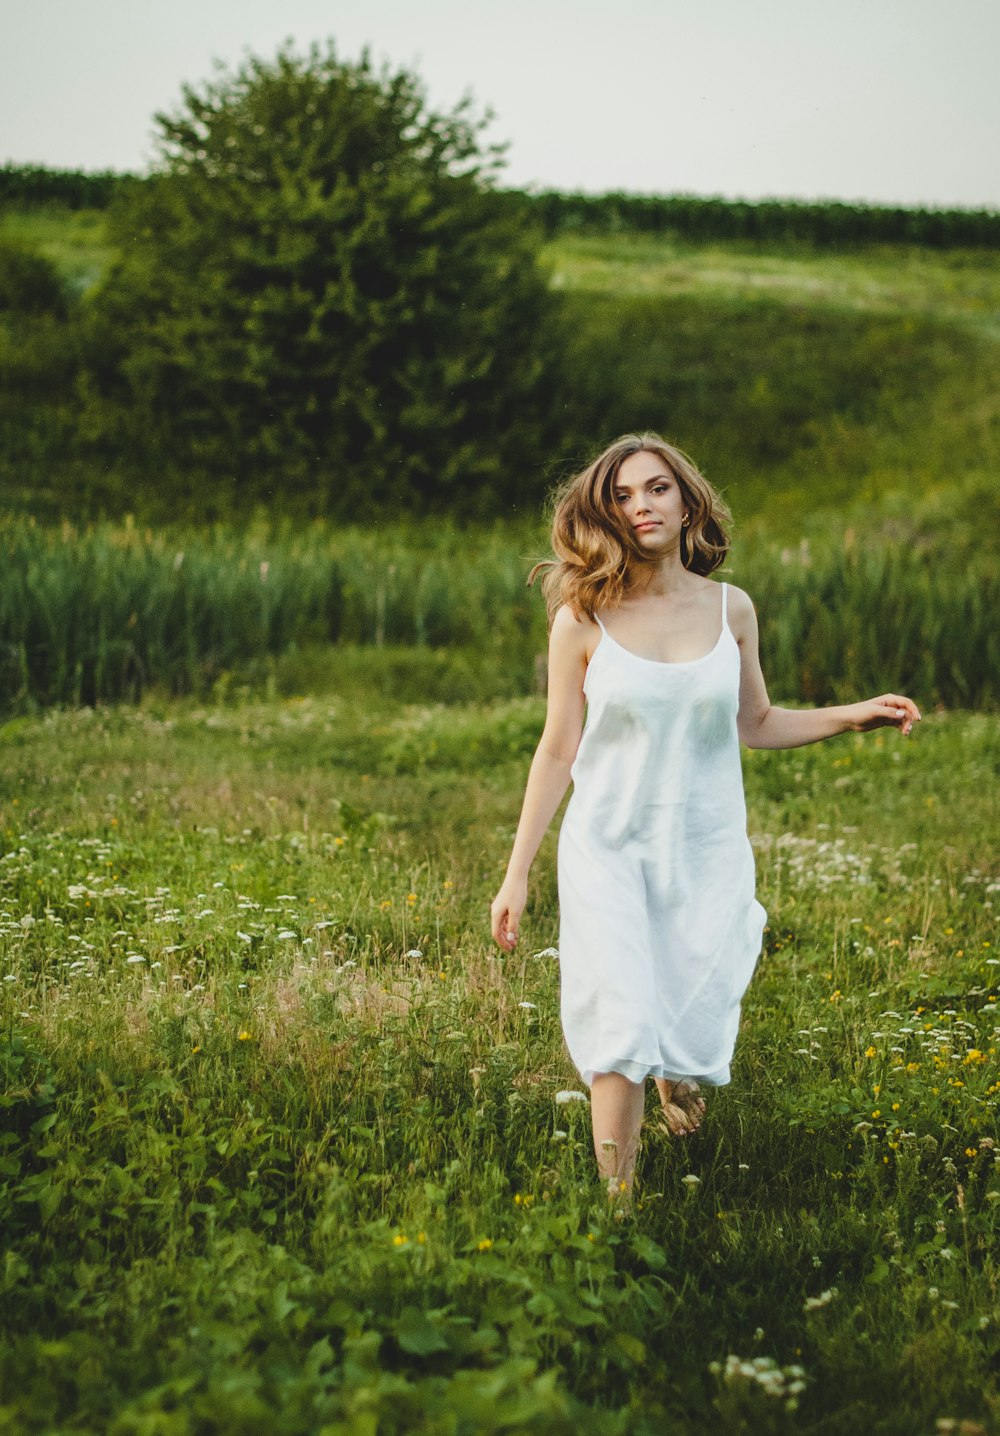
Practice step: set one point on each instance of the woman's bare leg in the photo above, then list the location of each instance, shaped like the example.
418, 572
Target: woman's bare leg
616, 1107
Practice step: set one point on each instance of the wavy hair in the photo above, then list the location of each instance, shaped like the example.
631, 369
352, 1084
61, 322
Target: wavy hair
597, 553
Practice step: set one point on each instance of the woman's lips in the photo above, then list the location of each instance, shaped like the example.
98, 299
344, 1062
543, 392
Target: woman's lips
651, 525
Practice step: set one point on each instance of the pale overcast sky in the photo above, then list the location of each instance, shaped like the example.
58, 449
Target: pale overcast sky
893, 101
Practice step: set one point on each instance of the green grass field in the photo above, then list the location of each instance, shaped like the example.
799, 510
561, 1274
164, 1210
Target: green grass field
282, 1150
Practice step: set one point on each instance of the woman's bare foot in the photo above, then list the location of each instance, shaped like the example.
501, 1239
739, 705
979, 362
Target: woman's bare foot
683, 1106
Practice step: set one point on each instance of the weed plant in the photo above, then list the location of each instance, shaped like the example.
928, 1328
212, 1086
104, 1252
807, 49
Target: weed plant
283, 1146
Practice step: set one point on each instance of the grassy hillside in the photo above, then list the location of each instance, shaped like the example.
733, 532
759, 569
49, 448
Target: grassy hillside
800, 380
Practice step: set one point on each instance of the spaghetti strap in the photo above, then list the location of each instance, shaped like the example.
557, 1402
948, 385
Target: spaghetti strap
725, 621
600, 625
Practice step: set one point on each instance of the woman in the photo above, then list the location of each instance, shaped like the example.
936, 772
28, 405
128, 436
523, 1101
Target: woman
659, 926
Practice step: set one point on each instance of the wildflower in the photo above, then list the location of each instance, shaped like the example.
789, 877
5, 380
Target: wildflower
400, 1239
246, 1036
244, 936
569, 1096
547, 952
870, 1052
690, 1180
529, 1006
421, 1237
413, 952
385, 904
813, 1303
411, 897
485, 1244
286, 933
196, 1049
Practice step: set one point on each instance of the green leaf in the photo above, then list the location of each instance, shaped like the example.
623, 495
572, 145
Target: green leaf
418, 1334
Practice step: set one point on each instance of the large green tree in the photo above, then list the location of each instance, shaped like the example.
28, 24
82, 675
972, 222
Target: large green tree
323, 297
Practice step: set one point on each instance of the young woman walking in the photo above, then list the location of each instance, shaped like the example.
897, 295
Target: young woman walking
659, 927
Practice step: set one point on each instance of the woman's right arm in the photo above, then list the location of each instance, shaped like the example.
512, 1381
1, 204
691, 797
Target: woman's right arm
549, 775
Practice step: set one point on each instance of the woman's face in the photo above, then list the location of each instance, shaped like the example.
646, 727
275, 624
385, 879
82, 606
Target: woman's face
650, 500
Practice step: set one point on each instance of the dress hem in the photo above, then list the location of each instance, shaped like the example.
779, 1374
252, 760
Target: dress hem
640, 1071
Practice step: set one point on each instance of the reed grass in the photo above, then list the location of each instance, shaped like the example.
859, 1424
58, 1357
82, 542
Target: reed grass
105, 613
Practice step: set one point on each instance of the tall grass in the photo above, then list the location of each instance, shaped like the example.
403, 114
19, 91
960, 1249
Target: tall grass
103, 614
281, 1148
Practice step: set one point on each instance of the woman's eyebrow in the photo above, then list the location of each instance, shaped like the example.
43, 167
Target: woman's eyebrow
654, 479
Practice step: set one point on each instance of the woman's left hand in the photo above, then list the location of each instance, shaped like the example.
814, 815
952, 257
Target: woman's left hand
890, 711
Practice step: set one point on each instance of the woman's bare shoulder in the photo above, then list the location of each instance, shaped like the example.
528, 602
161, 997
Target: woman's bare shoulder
573, 632
738, 600
740, 611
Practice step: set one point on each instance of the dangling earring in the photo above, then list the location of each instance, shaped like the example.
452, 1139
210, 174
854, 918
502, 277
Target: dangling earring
685, 520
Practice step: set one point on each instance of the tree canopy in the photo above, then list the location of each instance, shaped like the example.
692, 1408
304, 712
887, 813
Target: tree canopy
321, 291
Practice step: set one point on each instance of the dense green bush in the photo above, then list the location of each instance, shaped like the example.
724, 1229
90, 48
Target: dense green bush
321, 295
29, 283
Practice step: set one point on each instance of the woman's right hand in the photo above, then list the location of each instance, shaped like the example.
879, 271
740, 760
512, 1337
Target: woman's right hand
506, 911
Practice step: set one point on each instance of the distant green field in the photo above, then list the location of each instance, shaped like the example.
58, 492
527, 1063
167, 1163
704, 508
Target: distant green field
956, 286
74, 240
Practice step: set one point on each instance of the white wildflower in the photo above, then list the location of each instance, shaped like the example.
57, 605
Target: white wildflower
813, 1303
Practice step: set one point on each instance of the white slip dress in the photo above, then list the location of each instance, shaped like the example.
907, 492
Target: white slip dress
659, 928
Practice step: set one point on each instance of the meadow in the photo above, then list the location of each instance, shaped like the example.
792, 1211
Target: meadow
288, 1146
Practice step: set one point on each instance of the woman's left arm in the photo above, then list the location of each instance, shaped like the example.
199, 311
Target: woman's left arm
761, 726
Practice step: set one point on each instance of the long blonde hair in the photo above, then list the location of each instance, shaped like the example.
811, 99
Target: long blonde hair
596, 550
